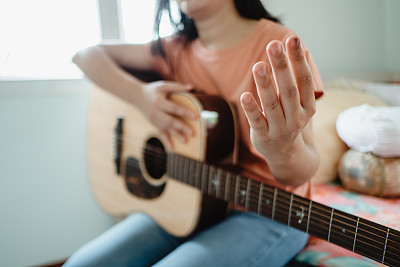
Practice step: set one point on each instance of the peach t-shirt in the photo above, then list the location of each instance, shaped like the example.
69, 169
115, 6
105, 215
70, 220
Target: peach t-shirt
228, 73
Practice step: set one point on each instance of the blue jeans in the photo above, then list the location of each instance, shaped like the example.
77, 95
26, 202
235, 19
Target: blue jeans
243, 239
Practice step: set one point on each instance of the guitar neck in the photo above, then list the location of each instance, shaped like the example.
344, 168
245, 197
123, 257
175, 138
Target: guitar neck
364, 237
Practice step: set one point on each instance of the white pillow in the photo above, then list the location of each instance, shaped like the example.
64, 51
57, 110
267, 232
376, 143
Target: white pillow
371, 129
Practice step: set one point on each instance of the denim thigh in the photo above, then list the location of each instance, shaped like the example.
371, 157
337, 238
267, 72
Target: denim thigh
135, 241
243, 239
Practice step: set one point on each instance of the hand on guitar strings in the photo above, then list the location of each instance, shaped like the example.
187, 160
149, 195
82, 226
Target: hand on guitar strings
165, 114
281, 126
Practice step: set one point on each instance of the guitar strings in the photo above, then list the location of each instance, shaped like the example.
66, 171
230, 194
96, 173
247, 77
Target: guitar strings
157, 152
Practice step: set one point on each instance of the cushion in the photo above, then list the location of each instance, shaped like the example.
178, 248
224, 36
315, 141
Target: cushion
367, 173
371, 129
328, 144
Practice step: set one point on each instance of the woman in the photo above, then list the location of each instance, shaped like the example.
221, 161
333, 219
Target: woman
219, 49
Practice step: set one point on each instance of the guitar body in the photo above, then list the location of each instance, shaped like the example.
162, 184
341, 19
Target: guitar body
134, 184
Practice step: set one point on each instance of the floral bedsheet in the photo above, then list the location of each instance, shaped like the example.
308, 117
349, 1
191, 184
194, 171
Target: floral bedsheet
319, 252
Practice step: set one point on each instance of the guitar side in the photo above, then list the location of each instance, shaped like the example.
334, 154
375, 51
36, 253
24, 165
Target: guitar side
179, 208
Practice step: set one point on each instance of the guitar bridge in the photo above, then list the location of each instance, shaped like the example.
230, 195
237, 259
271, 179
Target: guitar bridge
117, 144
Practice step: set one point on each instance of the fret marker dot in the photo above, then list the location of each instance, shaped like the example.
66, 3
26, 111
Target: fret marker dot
267, 202
343, 231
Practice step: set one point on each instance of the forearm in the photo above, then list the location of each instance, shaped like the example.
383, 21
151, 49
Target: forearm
101, 69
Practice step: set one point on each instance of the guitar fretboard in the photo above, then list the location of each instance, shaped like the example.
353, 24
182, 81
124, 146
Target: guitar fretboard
364, 237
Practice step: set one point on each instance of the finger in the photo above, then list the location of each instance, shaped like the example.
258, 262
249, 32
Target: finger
177, 110
268, 96
287, 87
175, 127
167, 140
302, 72
182, 138
254, 115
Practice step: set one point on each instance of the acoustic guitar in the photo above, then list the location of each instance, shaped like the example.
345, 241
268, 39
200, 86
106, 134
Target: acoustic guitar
192, 185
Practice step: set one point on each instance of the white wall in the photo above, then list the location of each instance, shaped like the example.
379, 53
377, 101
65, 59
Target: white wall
345, 36
393, 33
47, 208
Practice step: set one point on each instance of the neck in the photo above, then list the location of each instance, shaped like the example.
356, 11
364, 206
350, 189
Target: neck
224, 29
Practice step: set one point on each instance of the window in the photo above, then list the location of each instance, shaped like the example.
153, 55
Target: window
39, 38
138, 18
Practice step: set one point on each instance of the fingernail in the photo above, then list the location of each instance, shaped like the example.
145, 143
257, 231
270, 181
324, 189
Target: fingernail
192, 115
183, 139
246, 98
276, 50
296, 42
262, 72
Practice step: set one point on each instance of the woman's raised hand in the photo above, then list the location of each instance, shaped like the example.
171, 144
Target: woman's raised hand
286, 91
163, 113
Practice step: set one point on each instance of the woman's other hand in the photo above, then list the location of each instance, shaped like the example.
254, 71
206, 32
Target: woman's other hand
281, 127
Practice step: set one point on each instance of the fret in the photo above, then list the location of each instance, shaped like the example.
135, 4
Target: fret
392, 256
210, 178
227, 186
247, 194
308, 217
237, 188
282, 207
181, 168
355, 234
185, 170
220, 182
274, 203
290, 209
175, 167
170, 165
260, 199
243, 192
319, 220
384, 250
204, 177
197, 177
330, 225
192, 172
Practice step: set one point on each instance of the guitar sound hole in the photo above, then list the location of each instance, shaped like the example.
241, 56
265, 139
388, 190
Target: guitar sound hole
155, 158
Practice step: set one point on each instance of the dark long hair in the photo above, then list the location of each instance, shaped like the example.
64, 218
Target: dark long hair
184, 25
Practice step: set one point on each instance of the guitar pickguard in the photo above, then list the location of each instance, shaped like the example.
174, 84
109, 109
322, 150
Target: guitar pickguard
137, 184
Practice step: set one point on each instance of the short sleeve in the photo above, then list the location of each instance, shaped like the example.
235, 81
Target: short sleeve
157, 62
